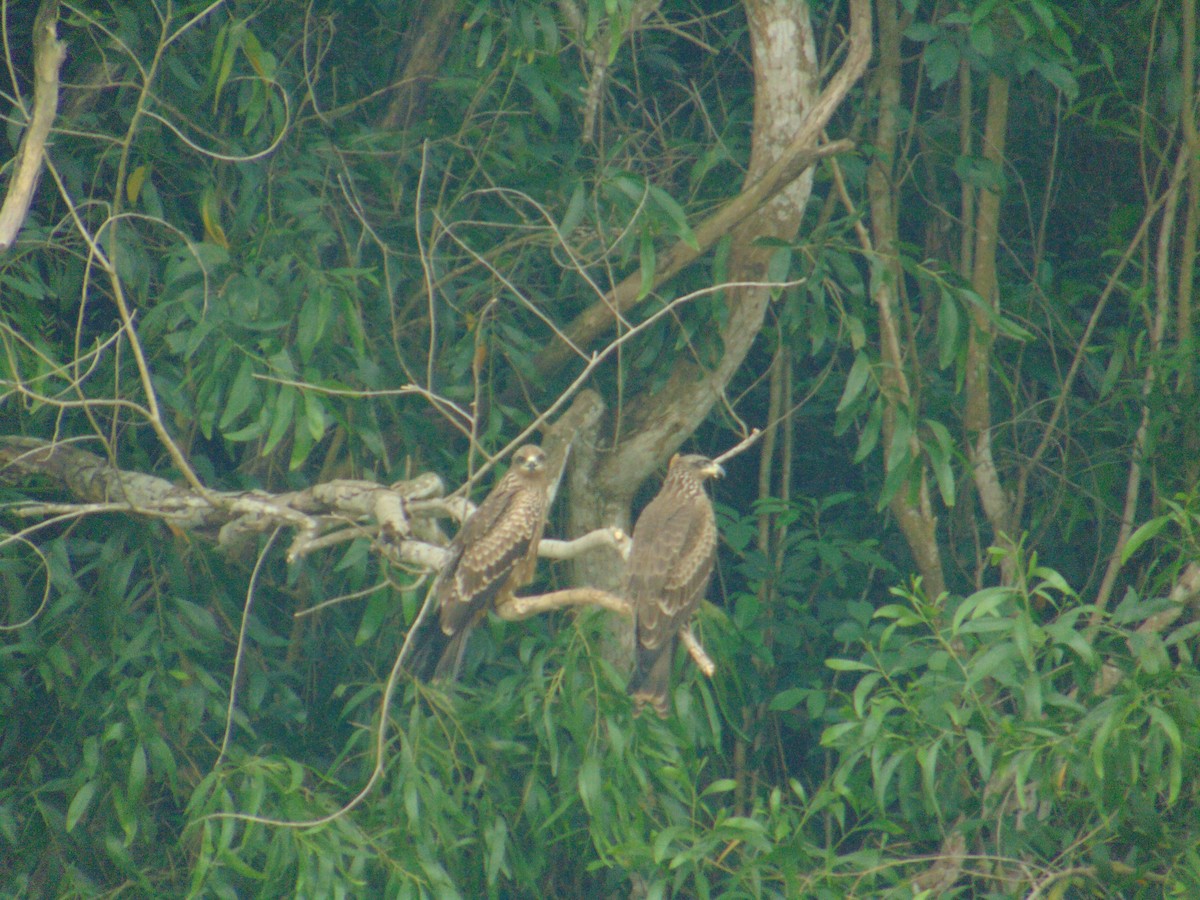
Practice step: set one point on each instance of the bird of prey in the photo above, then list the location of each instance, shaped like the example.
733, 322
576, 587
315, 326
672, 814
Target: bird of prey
493, 554
674, 545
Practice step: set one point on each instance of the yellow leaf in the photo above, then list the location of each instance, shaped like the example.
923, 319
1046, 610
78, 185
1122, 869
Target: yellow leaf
133, 185
212, 226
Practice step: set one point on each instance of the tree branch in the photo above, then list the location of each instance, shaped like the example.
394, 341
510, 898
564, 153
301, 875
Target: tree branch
804, 151
520, 608
615, 538
48, 56
629, 292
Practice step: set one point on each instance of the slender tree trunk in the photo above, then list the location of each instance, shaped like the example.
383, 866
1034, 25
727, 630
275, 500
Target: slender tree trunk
1185, 326
913, 509
977, 416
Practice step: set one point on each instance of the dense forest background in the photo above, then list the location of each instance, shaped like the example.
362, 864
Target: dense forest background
282, 283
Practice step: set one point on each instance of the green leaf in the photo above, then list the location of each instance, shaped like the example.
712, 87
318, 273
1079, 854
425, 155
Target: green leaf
680, 227
983, 40
1114, 369
940, 453
927, 758
282, 418
1100, 741
981, 752
1062, 79
224, 53
314, 415
589, 784
871, 431
863, 689
899, 470
312, 321
860, 371
576, 208
780, 265
262, 62
254, 430
302, 445
720, 786
137, 774
849, 665
484, 46
899, 451
1160, 718
242, 393
647, 262
1145, 532
941, 59
662, 843
788, 698
831, 736
947, 329
996, 661
378, 607
921, 31
79, 804
496, 842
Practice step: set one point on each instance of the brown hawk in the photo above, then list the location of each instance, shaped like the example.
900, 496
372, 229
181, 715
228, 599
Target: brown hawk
674, 545
493, 554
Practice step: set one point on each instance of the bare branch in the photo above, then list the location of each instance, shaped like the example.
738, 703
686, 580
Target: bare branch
629, 292
702, 660
519, 608
804, 151
240, 655
232, 516
615, 538
745, 444
48, 56
523, 607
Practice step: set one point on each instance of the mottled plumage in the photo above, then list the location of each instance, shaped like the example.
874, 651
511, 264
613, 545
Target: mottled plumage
674, 545
493, 554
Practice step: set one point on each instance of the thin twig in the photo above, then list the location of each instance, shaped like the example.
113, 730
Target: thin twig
240, 653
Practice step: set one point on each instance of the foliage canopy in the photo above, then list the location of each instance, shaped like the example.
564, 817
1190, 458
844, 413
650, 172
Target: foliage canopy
276, 245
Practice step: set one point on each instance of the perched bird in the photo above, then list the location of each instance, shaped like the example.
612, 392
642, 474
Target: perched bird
674, 545
493, 554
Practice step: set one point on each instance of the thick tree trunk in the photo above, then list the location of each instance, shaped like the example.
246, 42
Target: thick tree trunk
652, 426
655, 425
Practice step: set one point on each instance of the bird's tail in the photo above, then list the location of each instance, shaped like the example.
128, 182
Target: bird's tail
433, 654
651, 681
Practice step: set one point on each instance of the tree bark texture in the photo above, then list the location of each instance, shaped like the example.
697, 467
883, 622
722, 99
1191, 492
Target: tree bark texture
48, 56
912, 508
977, 416
789, 116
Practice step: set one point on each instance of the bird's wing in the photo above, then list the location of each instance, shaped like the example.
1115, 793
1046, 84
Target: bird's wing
670, 564
502, 533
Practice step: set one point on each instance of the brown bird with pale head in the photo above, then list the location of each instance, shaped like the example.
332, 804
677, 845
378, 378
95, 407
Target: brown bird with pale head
493, 554
670, 562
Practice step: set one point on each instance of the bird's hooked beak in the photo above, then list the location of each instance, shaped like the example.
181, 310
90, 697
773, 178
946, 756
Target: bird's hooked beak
530, 458
713, 470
